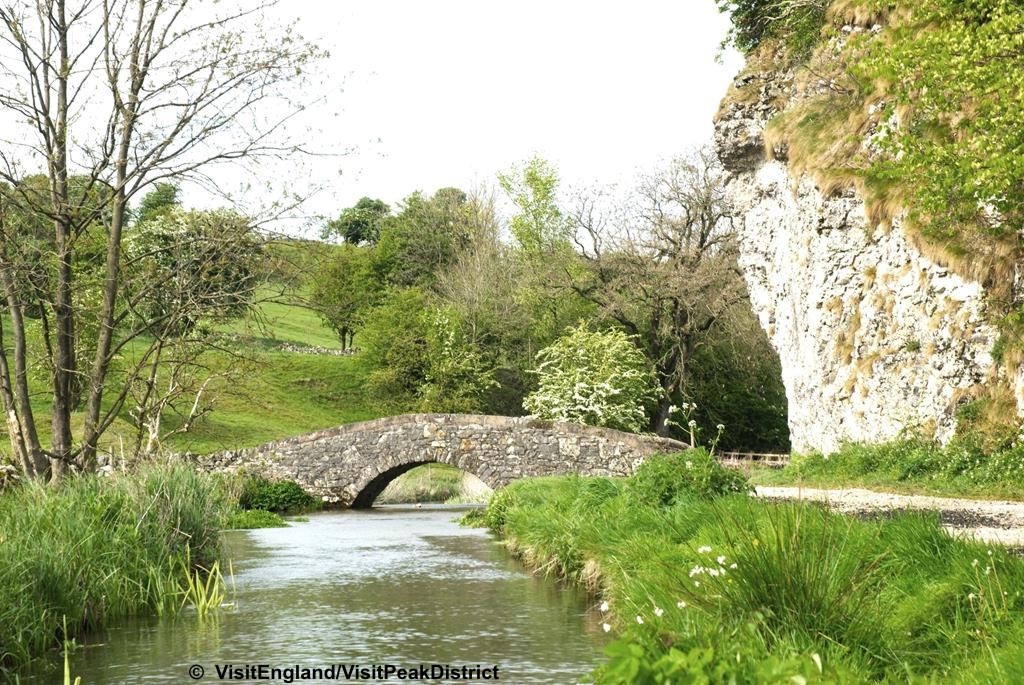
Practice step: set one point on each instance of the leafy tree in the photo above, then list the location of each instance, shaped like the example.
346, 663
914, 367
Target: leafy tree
423, 239
158, 202
543, 235
179, 88
540, 224
395, 347
596, 378
208, 266
344, 288
663, 267
207, 263
360, 224
457, 376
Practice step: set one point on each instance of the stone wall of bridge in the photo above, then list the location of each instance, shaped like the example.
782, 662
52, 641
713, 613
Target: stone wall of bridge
352, 464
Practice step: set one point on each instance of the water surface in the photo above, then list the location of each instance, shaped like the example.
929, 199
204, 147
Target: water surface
390, 585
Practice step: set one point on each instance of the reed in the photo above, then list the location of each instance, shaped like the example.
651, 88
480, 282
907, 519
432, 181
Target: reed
93, 549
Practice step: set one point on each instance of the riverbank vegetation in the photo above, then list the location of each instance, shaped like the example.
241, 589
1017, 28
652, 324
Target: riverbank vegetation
91, 550
964, 467
145, 542
705, 584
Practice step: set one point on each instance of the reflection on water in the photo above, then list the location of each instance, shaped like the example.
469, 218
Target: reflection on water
390, 585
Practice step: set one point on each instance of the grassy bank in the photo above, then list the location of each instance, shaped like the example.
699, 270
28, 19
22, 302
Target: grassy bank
708, 585
96, 549
963, 468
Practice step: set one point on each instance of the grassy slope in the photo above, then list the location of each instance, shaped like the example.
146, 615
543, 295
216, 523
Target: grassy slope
282, 395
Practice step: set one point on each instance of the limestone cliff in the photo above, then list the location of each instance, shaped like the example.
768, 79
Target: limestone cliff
873, 336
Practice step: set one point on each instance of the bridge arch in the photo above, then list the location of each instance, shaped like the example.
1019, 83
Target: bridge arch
352, 464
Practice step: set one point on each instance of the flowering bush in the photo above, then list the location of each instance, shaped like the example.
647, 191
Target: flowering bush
598, 378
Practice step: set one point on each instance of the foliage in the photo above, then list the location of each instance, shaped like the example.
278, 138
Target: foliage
736, 589
954, 68
540, 224
159, 122
124, 536
962, 466
191, 265
344, 289
423, 239
395, 348
360, 224
598, 378
796, 23
245, 519
280, 496
667, 479
736, 381
543, 233
662, 264
457, 376
158, 202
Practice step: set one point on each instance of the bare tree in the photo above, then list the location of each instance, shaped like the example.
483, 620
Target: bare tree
663, 265
115, 95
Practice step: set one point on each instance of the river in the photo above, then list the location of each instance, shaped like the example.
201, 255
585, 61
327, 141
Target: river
391, 585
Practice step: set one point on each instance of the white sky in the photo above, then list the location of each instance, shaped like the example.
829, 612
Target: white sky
450, 92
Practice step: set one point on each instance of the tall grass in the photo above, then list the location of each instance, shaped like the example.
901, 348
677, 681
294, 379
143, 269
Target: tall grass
726, 588
93, 549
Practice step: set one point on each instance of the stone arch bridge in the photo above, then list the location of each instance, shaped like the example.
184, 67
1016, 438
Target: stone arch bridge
352, 464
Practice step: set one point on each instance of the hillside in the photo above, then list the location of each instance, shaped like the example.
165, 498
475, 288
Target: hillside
279, 393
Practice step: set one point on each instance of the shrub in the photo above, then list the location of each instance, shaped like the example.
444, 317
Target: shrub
595, 378
667, 479
797, 23
282, 496
253, 518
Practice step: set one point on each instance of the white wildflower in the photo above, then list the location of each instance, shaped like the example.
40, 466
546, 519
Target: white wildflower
733, 566
639, 620
681, 604
721, 560
696, 583
704, 549
658, 612
691, 423
603, 607
720, 427
713, 572
605, 627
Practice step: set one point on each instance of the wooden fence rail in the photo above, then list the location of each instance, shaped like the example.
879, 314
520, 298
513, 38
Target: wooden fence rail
739, 459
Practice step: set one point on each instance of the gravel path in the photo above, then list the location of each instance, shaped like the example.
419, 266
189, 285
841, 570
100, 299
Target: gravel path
991, 521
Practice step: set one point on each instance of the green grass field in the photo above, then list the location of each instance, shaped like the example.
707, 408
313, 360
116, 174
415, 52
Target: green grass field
280, 394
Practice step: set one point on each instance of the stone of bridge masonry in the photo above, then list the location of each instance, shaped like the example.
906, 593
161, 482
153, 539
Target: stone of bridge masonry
352, 464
